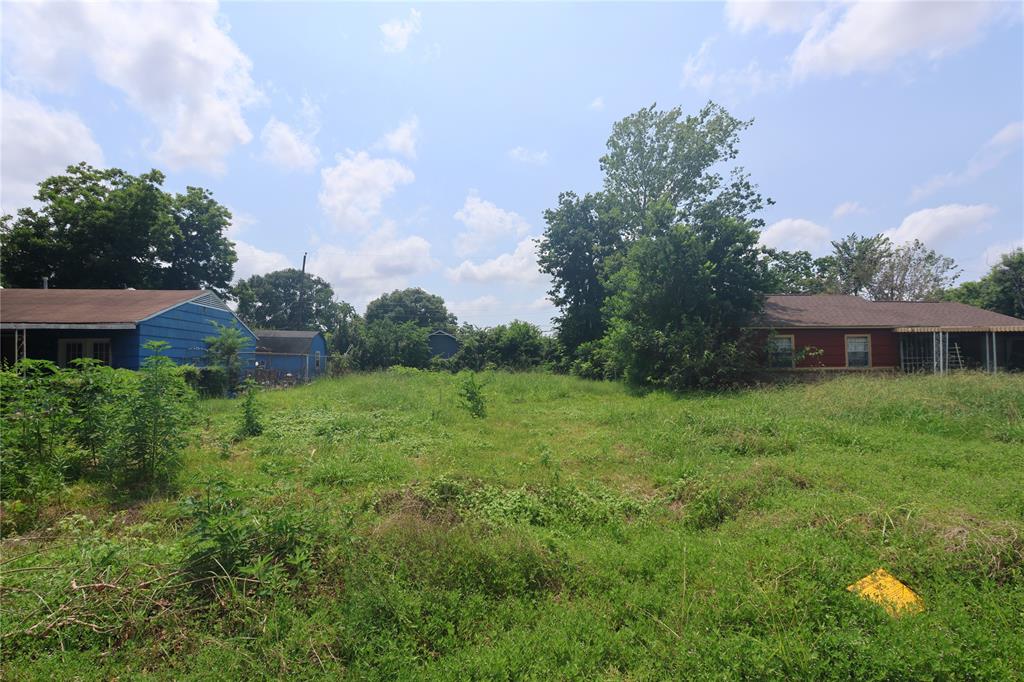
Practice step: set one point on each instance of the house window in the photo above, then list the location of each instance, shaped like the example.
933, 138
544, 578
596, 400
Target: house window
318, 361
858, 350
780, 352
73, 349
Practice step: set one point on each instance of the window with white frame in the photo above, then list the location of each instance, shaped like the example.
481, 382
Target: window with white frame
780, 352
858, 350
73, 349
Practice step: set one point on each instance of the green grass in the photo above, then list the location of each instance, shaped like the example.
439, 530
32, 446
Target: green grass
376, 530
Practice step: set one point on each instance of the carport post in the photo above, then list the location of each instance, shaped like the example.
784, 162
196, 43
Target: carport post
995, 355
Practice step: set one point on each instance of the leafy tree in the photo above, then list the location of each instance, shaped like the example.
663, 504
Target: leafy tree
662, 155
680, 303
287, 299
796, 272
913, 272
349, 330
581, 235
202, 257
105, 228
224, 349
386, 343
857, 262
411, 305
1001, 290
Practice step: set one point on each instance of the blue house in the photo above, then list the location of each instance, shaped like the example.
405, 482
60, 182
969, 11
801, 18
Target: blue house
442, 344
283, 355
112, 325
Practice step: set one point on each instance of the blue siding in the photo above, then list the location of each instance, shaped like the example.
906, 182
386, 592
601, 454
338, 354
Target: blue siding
297, 364
42, 344
442, 345
185, 328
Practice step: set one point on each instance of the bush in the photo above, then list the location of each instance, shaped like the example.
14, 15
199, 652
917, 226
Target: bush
472, 396
224, 350
252, 421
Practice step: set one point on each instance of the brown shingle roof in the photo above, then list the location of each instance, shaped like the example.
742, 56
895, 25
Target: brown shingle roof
86, 306
829, 310
284, 341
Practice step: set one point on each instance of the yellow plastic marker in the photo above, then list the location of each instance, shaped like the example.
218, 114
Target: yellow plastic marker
881, 587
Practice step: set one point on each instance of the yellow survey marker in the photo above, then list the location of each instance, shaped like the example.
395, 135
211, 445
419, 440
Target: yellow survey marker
881, 587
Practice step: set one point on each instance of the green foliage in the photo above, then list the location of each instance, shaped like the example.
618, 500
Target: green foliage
386, 343
289, 299
471, 395
414, 306
514, 346
580, 531
135, 235
147, 455
224, 351
252, 417
1001, 290
681, 302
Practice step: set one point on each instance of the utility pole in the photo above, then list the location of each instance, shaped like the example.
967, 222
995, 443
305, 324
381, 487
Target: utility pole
302, 288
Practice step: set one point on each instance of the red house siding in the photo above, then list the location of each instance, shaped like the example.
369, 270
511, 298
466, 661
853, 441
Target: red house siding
885, 346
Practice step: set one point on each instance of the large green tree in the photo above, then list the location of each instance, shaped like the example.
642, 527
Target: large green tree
857, 262
913, 272
411, 305
1000, 290
105, 228
680, 304
288, 299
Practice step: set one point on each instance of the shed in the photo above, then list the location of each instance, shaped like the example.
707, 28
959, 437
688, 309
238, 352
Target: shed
283, 355
442, 344
837, 332
112, 325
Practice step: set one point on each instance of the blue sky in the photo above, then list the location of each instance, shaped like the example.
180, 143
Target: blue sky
418, 145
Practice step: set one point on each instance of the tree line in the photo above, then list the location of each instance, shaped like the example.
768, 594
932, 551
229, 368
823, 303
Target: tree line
655, 276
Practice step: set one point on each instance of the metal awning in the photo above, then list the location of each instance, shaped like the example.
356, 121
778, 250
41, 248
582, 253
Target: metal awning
930, 330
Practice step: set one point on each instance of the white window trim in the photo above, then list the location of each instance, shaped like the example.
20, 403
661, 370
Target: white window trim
846, 350
87, 349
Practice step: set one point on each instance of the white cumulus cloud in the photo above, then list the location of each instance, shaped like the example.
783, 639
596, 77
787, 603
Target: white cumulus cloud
796, 234
485, 223
353, 190
597, 104
256, 261
287, 147
402, 140
519, 266
943, 223
397, 32
870, 36
174, 62
775, 15
35, 143
1001, 145
382, 261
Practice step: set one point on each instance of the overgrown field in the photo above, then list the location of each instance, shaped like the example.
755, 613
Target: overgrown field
376, 530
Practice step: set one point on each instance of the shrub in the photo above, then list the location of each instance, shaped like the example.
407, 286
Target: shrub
252, 420
472, 397
224, 350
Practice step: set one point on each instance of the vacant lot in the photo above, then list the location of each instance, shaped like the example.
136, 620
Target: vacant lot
377, 530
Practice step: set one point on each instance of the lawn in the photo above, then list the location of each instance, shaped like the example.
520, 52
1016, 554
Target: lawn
376, 530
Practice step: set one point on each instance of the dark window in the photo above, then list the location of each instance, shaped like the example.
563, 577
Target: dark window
858, 351
780, 351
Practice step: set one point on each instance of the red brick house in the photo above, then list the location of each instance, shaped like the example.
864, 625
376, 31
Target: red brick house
835, 332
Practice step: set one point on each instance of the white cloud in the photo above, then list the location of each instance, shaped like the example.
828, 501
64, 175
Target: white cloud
473, 310
531, 156
943, 223
174, 62
870, 36
397, 32
352, 190
796, 234
288, 148
1001, 145
254, 261
597, 104
485, 223
520, 266
35, 143
380, 262
700, 74
847, 208
402, 140
777, 16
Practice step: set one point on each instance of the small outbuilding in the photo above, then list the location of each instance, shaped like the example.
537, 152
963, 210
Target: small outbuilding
442, 344
113, 325
284, 356
835, 332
